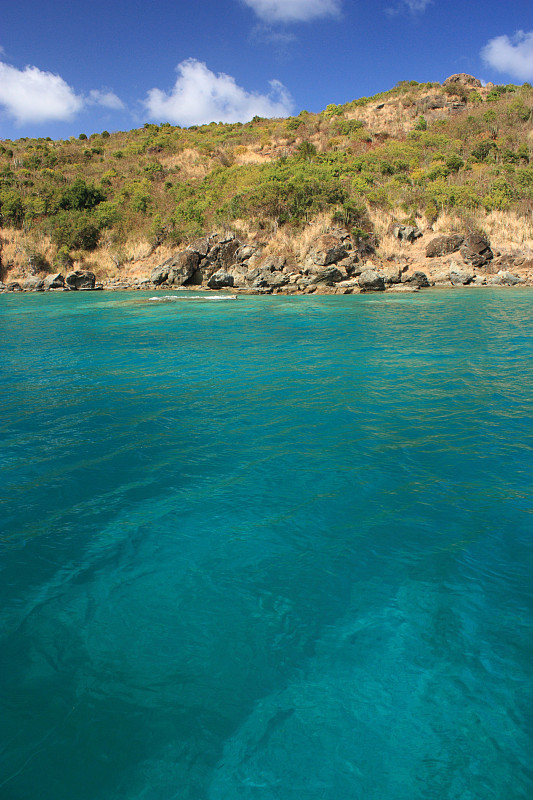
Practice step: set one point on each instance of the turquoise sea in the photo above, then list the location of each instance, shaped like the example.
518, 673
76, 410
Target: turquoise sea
272, 549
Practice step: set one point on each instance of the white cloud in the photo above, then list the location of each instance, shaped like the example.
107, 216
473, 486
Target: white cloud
105, 98
413, 6
199, 97
294, 10
31, 95
513, 56
267, 35
417, 5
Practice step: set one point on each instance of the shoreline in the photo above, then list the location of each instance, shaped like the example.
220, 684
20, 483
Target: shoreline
396, 289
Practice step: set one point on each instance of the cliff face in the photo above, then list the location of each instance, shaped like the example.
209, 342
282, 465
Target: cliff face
450, 158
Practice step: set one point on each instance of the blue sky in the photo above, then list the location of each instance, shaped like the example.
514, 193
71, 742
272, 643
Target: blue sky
81, 67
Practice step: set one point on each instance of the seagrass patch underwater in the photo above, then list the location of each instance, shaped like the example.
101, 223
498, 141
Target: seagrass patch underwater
273, 548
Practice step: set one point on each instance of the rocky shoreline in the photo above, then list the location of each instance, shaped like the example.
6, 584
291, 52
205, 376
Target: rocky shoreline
334, 264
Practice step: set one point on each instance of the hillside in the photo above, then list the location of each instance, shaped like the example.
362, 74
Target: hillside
450, 158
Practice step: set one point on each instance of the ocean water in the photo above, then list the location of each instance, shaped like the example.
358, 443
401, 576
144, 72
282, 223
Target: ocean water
272, 549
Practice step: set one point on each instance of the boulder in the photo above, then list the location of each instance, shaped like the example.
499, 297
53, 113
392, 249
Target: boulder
460, 276
55, 281
159, 275
80, 279
328, 249
406, 233
391, 274
442, 278
417, 278
464, 79
220, 280
13, 286
181, 267
505, 278
33, 284
220, 255
444, 245
476, 251
329, 275
200, 246
371, 281
264, 278
352, 264
245, 252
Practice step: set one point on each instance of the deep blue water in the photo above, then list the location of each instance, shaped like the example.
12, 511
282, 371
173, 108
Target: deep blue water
279, 548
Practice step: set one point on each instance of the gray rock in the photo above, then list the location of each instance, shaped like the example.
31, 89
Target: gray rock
245, 252
391, 274
329, 248
33, 284
221, 254
371, 281
329, 275
463, 78
505, 278
80, 279
476, 251
443, 245
264, 278
55, 281
220, 280
442, 278
460, 276
352, 264
406, 233
417, 278
181, 267
13, 286
200, 246
159, 275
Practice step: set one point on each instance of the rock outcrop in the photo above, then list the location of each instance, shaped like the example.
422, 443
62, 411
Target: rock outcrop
329, 248
417, 278
463, 78
505, 278
444, 245
371, 281
55, 281
80, 279
476, 251
33, 284
460, 276
220, 280
406, 233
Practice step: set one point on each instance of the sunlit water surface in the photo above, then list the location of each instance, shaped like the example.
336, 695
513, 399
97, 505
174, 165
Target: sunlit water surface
278, 548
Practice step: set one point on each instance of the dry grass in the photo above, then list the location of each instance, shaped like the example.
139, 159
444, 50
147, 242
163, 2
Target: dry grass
191, 164
19, 249
318, 226
448, 222
507, 231
251, 156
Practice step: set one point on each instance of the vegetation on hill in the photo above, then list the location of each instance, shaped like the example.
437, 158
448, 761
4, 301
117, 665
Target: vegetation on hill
416, 151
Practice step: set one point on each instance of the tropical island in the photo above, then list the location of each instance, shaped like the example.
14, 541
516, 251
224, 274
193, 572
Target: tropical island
424, 184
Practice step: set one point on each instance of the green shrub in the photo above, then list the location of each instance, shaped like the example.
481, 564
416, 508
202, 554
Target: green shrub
81, 196
75, 230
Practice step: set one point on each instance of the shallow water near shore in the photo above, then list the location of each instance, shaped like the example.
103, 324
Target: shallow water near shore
279, 548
